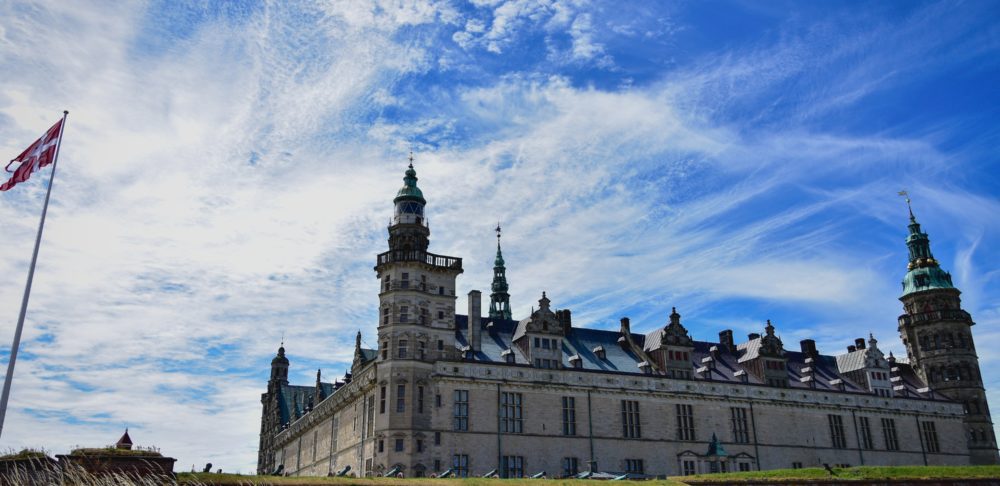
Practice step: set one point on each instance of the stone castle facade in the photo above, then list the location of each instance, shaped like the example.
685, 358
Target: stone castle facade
475, 394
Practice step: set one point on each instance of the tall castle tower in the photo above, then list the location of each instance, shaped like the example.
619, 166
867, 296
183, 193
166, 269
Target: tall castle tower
416, 327
938, 338
499, 299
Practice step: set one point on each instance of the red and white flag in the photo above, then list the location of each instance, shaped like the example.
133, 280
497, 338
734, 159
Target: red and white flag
38, 155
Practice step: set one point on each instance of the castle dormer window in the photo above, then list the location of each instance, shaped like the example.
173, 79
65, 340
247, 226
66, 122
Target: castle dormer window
599, 352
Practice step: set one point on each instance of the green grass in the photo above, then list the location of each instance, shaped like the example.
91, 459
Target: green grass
848, 474
112, 451
233, 479
857, 473
25, 454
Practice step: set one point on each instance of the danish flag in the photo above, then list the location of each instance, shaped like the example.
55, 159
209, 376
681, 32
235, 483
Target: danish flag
38, 155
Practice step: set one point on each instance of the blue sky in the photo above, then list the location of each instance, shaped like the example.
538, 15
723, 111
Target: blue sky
228, 170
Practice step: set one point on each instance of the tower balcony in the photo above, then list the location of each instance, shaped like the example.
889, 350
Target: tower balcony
935, 316
440, 262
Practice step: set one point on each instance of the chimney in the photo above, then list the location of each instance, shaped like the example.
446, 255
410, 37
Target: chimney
626, 329
726, 340
808, 347
565, 318
851, 349
859, 343
475, 319
753, 336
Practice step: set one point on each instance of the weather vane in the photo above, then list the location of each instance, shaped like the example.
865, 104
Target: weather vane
908, 206
498, 232
411, 159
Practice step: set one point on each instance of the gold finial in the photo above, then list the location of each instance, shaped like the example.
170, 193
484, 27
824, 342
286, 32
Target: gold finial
906, 195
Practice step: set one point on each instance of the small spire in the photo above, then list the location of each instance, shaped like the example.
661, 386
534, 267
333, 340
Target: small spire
411, 159
906, 195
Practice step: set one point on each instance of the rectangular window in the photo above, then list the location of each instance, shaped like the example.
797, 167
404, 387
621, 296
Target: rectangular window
399, 445
400, 398
930, 436
569, 416
461, 410
437, 438
511, 418
570, 467
631, 429
546, 344
401, 351
371, 415
385, 316
386, 281
688, 467
796, 465
420, 445
440, 315
889, 434
512, 466
420, 399
837, 437
405, 283
381, 399
633, 466
460, 463
437, 400
404, 314
741, 429
685, 422
437, 465
744, 466
381, 446
866, 433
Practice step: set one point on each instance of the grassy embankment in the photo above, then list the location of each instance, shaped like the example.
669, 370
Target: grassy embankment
848, 474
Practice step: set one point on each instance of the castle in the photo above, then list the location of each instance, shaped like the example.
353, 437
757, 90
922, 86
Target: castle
475, 394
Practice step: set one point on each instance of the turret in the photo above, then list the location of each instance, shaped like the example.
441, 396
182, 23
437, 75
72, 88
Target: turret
937, 334
409, 230
279, 368
499, 298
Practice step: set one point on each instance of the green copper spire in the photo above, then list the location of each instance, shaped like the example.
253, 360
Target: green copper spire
923, 271
499, 299
410, 191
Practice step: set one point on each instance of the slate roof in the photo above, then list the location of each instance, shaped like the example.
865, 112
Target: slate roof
497, 336
369, 354
852, 361
295, 397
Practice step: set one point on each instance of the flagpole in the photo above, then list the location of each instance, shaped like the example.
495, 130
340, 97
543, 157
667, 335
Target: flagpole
27, 286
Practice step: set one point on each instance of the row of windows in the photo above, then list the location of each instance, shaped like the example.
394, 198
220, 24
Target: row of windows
546, 363
423, 318
403, 349
404, 283
512, 420
890, 437
546, 343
